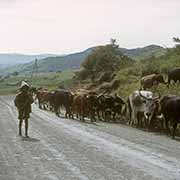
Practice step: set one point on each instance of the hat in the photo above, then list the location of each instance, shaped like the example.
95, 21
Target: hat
24, 85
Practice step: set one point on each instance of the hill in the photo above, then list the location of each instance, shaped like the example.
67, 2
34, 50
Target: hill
14, 58
73, 61
125, 77
145, 52
52, 64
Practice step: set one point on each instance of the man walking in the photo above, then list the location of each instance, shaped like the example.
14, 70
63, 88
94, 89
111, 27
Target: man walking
23, 101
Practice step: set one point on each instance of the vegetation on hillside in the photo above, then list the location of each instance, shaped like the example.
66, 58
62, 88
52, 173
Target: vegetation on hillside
107, 70
102, 64
51, 64
52, 81
73, 61
144, 53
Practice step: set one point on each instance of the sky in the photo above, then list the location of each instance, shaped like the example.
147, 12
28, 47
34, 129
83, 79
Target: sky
66, 26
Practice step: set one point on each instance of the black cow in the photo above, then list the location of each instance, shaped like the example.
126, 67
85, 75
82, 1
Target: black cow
174, 75
62, 98
170, 108
109, 105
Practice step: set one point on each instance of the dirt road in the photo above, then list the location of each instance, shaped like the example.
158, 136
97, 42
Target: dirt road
63, 149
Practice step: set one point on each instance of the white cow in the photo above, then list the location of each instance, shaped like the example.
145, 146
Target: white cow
141, 107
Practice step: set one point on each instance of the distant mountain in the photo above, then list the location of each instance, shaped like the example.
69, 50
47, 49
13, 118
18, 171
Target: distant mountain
52, 64
145, 52
14, 58
73, 61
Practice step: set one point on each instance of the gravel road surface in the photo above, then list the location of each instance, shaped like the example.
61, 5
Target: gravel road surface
64, 149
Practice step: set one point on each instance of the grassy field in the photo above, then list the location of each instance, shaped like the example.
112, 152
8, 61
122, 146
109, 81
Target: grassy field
48, 80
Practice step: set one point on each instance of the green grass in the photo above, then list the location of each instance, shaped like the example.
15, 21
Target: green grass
48, 80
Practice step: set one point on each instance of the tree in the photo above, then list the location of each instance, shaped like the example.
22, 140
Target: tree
177, 49
177, 46
102, 59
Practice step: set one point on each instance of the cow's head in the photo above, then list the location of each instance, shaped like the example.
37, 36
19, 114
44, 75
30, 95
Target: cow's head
160, 79
150, 105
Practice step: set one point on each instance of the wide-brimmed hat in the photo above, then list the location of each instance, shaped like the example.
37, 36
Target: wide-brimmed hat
24, 85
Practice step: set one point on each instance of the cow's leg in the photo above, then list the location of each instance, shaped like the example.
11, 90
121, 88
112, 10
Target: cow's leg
82, 115
39, 104
104, 114
130, 117
174, 129
91, 116
133, 116
114, 115
128, 109
20, 127
98, 115
150, 124
67, 111
44, 106
56, 109
94, 115
162, 126
93, 119
167, 126
26, 127
138, 124
107, 115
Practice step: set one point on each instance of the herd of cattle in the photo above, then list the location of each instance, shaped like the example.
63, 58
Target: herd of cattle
141, 109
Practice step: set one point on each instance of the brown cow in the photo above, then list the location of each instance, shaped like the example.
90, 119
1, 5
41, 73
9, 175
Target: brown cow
43, 96
84, 104
79, 105
150, 80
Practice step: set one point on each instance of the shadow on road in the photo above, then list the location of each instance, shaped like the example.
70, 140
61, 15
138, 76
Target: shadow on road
30, 139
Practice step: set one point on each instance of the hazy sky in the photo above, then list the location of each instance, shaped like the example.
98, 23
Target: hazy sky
63, 26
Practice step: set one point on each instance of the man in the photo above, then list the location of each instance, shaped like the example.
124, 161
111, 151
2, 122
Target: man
23, 101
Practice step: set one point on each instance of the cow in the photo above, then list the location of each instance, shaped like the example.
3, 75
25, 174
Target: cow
109, 105
150, 80
117, 106
80, 106
62, 98
85, 104
170, 108
174, 75
141, 105
92, 103
42, 96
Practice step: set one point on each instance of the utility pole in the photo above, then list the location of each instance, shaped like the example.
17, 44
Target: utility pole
34, 71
